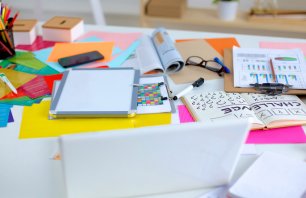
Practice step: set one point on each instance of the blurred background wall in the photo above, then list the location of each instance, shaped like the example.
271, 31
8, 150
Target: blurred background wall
117, 12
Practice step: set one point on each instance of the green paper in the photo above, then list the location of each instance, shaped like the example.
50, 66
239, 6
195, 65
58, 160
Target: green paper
47, 71
5, 63
23, 101
27, 59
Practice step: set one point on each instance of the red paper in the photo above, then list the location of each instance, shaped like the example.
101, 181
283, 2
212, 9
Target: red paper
36, 87
50, 80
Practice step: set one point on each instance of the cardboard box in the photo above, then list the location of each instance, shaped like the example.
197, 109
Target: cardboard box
166, 8
63, 29
25, 31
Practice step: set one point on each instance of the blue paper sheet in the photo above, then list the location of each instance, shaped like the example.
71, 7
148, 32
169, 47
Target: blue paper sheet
43, 56
4, 114
124, 55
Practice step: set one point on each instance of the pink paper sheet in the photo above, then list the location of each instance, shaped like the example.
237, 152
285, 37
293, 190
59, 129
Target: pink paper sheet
283, 45
272, 136
277, 136
38, 44
121, 40
184, 114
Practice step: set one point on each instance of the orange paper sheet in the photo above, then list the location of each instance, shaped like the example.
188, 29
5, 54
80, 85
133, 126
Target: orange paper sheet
219, 44
61, 50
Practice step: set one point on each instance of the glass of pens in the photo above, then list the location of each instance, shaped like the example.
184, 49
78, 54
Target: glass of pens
7, 48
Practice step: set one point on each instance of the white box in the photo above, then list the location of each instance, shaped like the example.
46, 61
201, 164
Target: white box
63, 29
24, 31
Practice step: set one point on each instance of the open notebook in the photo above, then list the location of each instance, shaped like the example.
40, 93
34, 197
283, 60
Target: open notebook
265, 111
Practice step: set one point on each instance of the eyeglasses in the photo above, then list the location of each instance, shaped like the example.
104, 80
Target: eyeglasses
211, 65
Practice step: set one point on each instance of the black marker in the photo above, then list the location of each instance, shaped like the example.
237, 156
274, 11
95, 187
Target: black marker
197, 83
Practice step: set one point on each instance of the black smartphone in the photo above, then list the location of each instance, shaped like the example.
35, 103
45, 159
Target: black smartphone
79, 59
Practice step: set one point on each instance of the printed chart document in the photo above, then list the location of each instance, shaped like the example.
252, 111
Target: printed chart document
257, 65
156, 54
263, 110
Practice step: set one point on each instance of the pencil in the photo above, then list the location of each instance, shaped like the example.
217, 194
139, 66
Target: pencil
5, 35
7, 49
272, 69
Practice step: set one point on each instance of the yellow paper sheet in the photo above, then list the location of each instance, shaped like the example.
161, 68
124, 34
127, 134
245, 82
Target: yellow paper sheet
16, 78
35, 123
61, 50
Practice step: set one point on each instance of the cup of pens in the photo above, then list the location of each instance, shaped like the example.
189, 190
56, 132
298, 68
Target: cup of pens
7, 48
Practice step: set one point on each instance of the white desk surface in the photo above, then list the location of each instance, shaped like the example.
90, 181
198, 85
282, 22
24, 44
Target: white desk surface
26, 170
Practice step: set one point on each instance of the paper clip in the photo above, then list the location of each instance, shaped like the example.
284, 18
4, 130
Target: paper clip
271, 89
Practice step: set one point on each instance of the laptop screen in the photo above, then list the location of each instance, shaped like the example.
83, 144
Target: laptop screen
151, 160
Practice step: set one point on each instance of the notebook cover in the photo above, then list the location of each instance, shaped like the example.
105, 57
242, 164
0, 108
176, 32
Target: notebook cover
55, 113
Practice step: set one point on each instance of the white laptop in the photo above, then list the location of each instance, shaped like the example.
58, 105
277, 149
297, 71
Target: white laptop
151, 160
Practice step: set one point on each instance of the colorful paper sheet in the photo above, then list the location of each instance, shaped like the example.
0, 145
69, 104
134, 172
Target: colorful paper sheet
16, 78
35, 123
272, 136
116, 62
27, 59
38, 44
283, 45
184, 114
22, 101
277, 136
61, 50
126, 42
50, 80
43, 56
116, 49
219, 44
36, 88
44, 71
4, 114
121, 40
10, 118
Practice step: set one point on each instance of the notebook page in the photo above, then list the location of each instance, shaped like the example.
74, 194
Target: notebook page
276, 108
218, 106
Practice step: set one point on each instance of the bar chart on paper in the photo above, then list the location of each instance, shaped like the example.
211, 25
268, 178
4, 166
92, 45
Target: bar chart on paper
269, 66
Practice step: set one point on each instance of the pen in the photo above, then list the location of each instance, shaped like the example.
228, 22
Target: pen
272, 69
226, 69
7, 82
197, 83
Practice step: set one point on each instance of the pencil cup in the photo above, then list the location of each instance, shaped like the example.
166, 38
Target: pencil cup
7, 47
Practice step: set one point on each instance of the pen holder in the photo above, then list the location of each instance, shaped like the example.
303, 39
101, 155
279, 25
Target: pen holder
7, 47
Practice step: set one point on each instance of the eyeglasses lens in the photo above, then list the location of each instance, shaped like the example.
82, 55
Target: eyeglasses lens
194, 60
